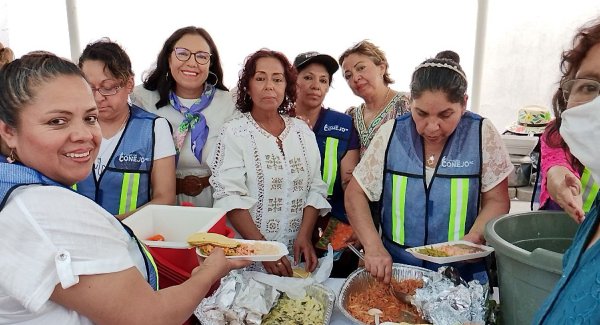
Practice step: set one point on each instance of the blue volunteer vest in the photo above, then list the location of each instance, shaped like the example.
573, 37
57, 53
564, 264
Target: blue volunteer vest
124, 185
414, 215
15, 175
333, 130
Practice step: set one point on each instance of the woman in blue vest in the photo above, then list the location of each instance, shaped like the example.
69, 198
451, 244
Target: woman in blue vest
337, 139
65, 259
441, 172
136, 162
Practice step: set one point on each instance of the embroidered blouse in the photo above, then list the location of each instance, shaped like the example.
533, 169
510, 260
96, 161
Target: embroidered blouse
496, 161
397, 106
250, 171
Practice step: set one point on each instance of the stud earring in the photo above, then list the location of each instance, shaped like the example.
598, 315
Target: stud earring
11, 157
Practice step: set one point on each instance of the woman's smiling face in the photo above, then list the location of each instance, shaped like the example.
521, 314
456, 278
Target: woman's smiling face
58, 132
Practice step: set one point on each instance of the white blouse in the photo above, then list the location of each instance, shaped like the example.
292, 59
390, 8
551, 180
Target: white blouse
496, 161
249, 171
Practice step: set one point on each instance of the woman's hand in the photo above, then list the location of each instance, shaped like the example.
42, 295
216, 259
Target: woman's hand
303, 247
475, 238
570, 199
378, 263
217, 265
565, 189
281, 267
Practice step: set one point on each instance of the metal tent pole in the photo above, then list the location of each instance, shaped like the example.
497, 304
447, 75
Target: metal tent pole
73, 29
482, 9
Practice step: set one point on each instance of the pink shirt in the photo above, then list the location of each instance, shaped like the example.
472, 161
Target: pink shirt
552, 157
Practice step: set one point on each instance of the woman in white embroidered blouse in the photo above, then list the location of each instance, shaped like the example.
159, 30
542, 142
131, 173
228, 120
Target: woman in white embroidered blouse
266, 165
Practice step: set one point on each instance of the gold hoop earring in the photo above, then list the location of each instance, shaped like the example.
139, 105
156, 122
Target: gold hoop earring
11, 157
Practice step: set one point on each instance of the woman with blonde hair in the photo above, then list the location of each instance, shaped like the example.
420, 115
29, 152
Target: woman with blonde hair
6, 55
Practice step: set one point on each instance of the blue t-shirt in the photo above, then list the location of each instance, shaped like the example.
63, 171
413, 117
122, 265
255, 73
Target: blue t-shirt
576, 297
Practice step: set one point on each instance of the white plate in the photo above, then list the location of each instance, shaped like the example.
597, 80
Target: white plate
268, 251
486, 250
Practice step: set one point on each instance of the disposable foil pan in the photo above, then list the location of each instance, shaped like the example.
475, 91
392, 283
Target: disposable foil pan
325, 296
360, 279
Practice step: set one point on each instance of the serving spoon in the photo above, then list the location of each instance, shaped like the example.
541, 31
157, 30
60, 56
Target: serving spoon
376, 313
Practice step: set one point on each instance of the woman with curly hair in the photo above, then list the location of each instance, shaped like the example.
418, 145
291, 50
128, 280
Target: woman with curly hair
266, 164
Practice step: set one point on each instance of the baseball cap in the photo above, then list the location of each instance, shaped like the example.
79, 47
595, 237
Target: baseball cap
307, 58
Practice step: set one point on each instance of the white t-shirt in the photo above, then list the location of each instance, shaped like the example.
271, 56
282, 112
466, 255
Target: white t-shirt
50, 242
369, 171
163, 145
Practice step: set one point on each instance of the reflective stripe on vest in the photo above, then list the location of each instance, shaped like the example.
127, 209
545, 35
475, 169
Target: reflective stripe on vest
152, 273
74, 187
398, 207
459, 198
330, 164
590, 190
129, 192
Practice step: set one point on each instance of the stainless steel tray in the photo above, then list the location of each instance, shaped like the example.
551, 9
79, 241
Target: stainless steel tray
360, 279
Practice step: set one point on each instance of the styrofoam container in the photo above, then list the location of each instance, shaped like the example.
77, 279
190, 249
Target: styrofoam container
275, 249
174, 223
519, 144
484, 251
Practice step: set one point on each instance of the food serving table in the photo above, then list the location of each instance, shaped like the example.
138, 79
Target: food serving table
337, 318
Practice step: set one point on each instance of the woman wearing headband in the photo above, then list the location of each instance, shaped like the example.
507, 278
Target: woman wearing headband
187, 89
441, 171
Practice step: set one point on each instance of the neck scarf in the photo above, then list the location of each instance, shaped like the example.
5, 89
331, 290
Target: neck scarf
193, 120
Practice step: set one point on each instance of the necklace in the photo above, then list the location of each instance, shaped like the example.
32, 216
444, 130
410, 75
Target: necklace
430, 160
267, 130
277, 138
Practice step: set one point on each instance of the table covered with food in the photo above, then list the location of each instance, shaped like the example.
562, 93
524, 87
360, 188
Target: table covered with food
427, 297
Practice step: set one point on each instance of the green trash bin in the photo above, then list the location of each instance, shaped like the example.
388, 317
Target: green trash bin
529, 249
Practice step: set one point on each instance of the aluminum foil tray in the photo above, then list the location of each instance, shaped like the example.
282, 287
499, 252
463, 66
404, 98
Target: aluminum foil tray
359, 280
325, 296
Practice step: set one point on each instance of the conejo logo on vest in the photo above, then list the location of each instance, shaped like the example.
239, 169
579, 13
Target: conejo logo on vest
130, 161
334, 128
456, 163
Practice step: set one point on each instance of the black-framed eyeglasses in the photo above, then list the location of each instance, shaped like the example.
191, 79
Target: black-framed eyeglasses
183, 54
580, 90
107, 91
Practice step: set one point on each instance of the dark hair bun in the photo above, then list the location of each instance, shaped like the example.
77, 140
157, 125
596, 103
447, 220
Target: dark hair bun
448, 54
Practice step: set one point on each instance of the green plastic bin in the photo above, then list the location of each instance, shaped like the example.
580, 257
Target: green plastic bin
529, 248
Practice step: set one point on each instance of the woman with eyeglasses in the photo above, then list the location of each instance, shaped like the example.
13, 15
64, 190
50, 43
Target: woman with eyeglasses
566, 184
136, 161
187, 89
575, 299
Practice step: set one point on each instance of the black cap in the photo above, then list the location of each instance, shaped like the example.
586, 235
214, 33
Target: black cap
307, 58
